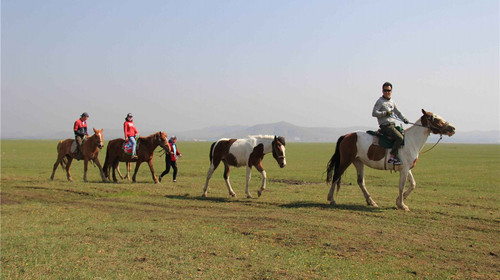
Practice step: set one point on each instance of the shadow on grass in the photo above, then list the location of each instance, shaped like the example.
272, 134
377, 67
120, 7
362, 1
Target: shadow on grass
308, 204
199, 198
297, 204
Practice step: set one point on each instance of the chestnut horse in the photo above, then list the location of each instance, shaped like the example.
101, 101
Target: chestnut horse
358, 148
145, 152
90, 151
245, 152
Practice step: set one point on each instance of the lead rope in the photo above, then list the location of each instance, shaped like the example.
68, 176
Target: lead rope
440, 137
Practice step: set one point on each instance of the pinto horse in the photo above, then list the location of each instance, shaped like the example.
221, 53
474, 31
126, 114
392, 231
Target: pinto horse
245, 152
90, 151
358, 148
145, 152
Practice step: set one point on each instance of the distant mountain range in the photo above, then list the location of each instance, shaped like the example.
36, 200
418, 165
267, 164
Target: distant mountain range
291, 132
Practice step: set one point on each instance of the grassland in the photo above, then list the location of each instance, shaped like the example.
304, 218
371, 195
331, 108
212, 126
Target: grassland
62, 230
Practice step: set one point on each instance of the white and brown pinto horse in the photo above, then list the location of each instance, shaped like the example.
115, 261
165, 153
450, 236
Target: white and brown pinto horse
358, 148
245, 152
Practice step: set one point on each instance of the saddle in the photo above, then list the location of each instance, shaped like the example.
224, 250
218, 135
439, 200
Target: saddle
127, 147
384, 140
73, 145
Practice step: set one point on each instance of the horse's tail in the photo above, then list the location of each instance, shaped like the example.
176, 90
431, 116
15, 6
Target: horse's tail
332, 168
212, 151
63, 161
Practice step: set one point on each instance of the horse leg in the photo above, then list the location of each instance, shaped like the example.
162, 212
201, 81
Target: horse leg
55, 167
68, 168
129, 168
119, 173
137, 164
209, 175
360, 168
150, 163
226, 178
412, 186
115, 166
249, 176
264, 177
96, 160
399, 200
336, 181
85, 166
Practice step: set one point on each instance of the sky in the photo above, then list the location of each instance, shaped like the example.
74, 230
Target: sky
183, 65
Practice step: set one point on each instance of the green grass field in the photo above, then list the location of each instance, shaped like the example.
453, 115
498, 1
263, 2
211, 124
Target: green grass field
62, 230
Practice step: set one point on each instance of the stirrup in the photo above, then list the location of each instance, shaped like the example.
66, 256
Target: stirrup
394, 161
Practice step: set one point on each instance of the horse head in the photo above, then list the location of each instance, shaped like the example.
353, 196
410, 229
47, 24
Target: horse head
162, 140
437, 124
279, 150
99, 138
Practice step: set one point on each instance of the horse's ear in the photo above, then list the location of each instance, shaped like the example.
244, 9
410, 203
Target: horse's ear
95, 130
424, 112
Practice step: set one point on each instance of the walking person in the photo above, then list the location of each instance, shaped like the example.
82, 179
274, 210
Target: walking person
171, 160
130, 133
386, 112
80, 130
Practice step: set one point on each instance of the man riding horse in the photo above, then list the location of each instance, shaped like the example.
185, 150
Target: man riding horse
385, 111
80, 129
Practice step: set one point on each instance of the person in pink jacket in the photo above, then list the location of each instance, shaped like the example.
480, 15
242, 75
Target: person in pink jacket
130, 132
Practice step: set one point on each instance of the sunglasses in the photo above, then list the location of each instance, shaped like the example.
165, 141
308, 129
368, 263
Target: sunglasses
387, 90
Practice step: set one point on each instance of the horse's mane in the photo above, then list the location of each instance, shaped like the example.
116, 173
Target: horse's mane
152, 135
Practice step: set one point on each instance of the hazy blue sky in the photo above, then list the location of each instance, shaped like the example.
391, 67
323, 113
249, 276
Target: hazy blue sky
181, 65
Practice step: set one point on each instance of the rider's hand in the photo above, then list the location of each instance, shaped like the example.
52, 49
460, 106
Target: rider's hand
405, 120
389, 113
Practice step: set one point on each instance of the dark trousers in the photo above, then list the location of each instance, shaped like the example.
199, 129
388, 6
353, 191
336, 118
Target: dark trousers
169, 163
79, 141
391, 131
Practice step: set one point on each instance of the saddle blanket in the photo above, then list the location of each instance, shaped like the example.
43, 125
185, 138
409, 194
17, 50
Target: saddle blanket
384, 140
127, 147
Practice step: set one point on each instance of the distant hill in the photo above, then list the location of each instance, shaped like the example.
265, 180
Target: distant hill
291, 132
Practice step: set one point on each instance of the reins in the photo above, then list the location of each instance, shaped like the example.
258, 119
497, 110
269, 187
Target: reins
428, 127
440, 137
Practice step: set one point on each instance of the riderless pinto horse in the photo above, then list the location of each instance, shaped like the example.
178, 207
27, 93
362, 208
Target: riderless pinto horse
358, 148
90, 151
145, 152
245, 152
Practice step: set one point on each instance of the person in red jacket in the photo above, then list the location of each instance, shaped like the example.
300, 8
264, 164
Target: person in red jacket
130, 132
171, 161
80, 130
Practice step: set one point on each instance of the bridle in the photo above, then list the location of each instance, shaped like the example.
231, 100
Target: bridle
432, 129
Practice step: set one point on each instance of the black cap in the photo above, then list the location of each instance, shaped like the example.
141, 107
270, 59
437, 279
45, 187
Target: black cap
85, 114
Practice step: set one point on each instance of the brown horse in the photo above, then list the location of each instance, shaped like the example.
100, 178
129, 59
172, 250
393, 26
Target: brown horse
145, 152
90, 151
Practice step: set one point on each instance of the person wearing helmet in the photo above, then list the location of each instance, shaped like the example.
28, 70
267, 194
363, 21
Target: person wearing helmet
130, 132
80, 130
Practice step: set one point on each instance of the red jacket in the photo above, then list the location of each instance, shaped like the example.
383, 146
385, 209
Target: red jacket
80, 127
129, 129
175, 152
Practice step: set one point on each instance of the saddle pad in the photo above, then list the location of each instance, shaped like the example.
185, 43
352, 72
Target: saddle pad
383, 140
127, 147
73, 147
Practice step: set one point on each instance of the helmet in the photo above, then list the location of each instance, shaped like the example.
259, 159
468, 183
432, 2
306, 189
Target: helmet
129, 115
85, 114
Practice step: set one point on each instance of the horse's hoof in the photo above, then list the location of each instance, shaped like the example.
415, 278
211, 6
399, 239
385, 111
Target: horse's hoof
232, 194
259, 193
249, 196
204, 195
